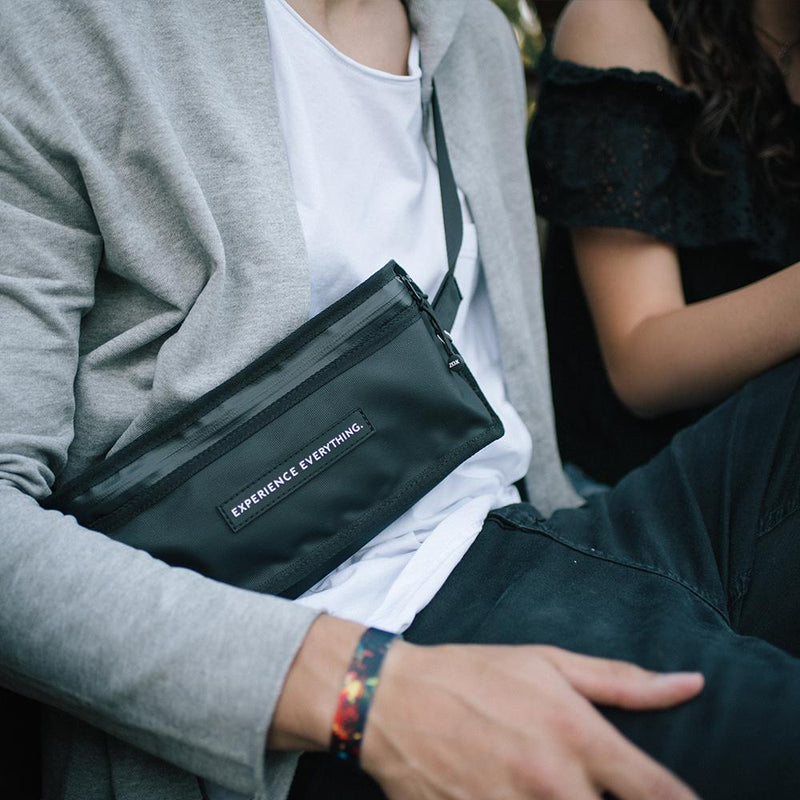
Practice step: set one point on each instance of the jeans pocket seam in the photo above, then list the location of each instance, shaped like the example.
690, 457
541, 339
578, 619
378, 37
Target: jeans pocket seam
741, 588
544, 529
775, 516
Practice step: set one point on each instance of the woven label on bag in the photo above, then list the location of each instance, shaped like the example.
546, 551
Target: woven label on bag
280, 481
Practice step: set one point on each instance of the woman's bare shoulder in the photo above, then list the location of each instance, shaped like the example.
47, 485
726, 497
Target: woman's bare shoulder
614, 33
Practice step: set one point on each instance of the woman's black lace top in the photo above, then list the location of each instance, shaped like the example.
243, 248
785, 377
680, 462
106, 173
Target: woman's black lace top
610, 148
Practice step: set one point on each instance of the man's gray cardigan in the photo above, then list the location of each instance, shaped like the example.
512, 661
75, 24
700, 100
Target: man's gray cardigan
149, 249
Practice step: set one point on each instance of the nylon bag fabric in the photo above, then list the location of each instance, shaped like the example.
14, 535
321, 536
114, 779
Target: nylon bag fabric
279, 474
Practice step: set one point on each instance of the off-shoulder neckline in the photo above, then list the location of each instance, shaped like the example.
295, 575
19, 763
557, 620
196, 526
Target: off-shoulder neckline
571, 73
565, 71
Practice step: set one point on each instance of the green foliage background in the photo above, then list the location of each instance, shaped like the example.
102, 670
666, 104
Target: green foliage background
525, 21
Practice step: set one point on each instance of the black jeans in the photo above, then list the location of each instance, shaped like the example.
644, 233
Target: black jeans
691, 562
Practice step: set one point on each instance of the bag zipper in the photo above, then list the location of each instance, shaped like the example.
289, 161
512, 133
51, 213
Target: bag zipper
454, 360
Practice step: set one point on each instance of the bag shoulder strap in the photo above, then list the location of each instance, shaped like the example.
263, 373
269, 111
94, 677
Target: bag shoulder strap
448, 297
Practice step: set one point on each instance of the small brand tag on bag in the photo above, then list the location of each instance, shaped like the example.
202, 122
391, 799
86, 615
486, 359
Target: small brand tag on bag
280, 481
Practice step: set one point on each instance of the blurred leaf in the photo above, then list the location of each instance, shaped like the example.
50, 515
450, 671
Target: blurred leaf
525, 21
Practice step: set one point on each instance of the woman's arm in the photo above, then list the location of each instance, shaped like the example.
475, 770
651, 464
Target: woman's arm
662, 354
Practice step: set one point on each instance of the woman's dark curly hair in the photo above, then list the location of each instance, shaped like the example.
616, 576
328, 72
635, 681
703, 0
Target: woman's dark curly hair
740, 86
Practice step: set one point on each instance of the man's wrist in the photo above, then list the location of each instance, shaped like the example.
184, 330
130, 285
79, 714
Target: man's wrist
355, 696
307, 705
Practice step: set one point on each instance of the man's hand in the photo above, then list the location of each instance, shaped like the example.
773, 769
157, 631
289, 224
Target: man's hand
483, 722
469, 721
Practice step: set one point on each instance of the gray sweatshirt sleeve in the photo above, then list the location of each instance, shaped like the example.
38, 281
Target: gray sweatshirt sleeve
166, 660
162, 658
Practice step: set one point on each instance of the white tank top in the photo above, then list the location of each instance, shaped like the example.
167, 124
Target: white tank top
367, 191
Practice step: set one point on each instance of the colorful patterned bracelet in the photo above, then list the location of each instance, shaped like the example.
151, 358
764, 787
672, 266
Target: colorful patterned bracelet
356, 694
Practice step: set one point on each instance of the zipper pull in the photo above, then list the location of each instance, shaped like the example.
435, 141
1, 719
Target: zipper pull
454, 360
414, 290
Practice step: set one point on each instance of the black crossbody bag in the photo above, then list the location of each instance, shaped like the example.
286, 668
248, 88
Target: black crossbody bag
276, 476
